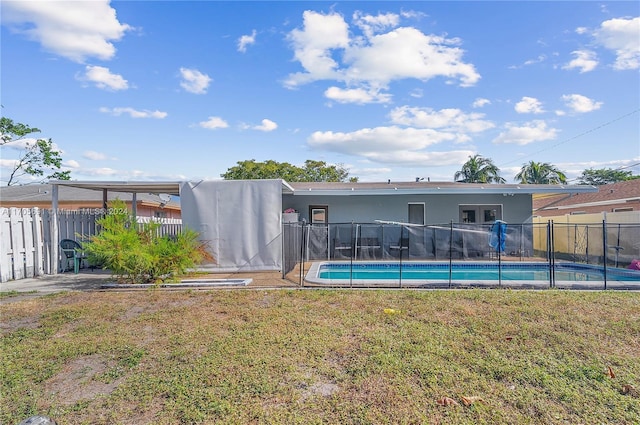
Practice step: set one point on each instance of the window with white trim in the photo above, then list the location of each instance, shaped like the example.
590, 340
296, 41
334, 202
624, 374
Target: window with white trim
480, 214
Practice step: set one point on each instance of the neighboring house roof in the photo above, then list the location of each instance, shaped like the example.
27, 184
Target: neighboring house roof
609, 197
41, 193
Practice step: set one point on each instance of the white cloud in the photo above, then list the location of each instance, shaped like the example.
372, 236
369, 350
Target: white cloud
585, 61
267, 125
246, 40
581, 30
103, 78
539, 59
580, 103
134, 113
621, 36
370, 24
96, 156
8, 163
194, 81
326, 50
71, 163
21, 144
369, 171
312, 46
450, 120
417, 93
124, 175
534, 131
407, 53
75, 30
104, 171
480, 102
390, 145
214, 122
529, 105
27, 143
358, 95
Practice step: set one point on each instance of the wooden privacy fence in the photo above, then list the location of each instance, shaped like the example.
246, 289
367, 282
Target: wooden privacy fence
25, 238
21, 243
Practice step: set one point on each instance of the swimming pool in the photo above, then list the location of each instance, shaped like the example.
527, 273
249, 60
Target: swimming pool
463, 274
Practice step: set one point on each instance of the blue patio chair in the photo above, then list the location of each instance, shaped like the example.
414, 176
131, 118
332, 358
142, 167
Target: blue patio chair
72, 251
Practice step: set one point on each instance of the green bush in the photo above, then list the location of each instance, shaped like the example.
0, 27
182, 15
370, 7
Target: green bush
135, 253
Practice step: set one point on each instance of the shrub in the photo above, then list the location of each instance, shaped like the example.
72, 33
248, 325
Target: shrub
135, 253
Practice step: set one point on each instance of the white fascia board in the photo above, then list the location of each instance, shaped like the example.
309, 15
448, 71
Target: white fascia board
286, 187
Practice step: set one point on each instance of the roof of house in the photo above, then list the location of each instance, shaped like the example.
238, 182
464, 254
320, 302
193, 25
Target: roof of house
422, 187
35, 193
608, 194
346, 188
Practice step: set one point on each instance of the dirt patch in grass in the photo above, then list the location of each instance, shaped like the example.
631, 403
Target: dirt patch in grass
79, 380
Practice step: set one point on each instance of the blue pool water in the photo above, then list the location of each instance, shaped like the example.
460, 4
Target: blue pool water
371, 272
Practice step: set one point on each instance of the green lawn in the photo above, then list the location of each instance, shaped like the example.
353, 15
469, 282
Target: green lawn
322, 356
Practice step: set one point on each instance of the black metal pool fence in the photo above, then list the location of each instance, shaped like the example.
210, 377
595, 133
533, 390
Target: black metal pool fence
604, 246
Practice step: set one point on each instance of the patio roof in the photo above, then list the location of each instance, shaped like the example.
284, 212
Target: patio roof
168, 187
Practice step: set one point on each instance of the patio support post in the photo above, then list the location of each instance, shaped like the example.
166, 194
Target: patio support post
553, 253
353, 245
499, 255
450, 251
104, 200
54, 262
134, 205
302, 251
549, 253
401, 249
604, 252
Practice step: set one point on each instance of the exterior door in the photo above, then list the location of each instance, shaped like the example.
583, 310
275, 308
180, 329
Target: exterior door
416, 213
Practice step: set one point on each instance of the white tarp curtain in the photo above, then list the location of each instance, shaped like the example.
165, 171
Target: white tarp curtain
239, 219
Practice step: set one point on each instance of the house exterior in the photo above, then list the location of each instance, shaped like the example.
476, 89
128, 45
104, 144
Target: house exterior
419, 202
72, 198
242, 220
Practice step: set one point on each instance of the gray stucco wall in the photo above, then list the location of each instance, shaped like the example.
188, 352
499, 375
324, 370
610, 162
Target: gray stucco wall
439, 208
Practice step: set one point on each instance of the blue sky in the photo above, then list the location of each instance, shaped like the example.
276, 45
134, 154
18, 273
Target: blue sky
146, 90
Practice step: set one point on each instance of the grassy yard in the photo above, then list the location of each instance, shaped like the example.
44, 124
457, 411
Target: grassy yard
323, 356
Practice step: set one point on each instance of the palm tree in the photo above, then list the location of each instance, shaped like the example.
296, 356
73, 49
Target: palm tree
478, 170
540, 173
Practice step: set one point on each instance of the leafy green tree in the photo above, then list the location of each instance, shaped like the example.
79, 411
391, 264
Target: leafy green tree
312, 171
478, 170
37, 158
540, 173
605, 176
